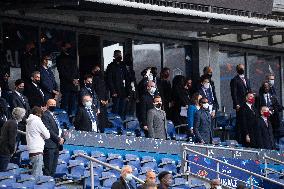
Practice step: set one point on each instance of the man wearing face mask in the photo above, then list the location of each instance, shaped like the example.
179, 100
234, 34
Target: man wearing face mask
271, 80
125, 181
118, 83
86, 117
157, 121
34, 92
247, 120
18, 99
56, 140
202, 123
89, 90
146, 104
47, 82
239, 85
206, 92
8, 137
265, 138
29, 62
166, 180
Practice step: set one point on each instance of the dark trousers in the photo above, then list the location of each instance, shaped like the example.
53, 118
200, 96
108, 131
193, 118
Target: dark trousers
69, 102
102, 118
130, 107
50, 159
4, 161
118, 106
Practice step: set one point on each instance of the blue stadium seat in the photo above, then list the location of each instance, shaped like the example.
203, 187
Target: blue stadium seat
116, 122
99, 155
61, 169
14, 168
75, 155
150, 162
171, 132
108, 179
64, 155
133, 160
98, 169
144, 170
77, 169
87, 181
46, 182
115, 159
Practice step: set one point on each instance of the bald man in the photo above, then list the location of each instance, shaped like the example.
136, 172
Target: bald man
52, 145
125, 181
147, 104
150, 179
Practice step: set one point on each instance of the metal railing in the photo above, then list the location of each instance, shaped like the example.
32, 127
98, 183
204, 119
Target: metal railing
105, 165
266, 169
184, 158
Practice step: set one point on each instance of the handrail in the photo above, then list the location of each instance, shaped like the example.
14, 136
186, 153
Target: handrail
106, 165
266, 167
235, 167
272, 159
221, 148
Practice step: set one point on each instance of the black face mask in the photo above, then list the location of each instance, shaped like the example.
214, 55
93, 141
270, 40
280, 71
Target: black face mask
118, 59
209, 75
241, 71
97, 73
159, 105
88, 85
20, 90
51, 108
37, 82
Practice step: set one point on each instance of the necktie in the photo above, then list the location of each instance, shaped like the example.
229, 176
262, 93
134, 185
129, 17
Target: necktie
57, 123
93, 119
244, 81
42, 95
268, 100
22, 98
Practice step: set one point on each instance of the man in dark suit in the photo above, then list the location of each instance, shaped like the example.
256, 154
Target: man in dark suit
239, 87
265, 138
206, 91
29, 62
118, 83
17, 97
247, 122
52, 145
34, 92
103, 96
146, 104
266, 98
69, 79
270, 78
88, 89
202, 123
156, 120
47, 81
86, 117
8, 137
125, 181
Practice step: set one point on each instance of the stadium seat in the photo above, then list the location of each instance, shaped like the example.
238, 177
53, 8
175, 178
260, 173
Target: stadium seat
98, 169
108, 179
87, 180
98, 155
63, 119
115, 159
61, 169
64, 155
46, 182
77, 169
149, 162
133, 160
75, 155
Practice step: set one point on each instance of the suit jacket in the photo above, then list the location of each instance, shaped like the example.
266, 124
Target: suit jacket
68, 71
50, 124
17, 101
121, 184
145, 105
8, 138
117, 79
92, 93
157, 124
83, 121
29, 64
247, 125
239, 90
265, 138
35, 97
47, 82
215, 101
100, 87
202, 126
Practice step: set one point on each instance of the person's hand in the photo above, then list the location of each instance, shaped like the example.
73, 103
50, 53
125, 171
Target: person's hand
98, 112
247, 139
213, 114
61, 141
202, 142
191, 131
114, 95
238, 107
43, 108
145, 128
76, 82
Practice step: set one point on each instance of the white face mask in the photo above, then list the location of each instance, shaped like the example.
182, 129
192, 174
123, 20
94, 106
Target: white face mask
88, 104
205, 106
128, 177
152, 90
271, 82
242, 76
206, 85
49, 63
219, 187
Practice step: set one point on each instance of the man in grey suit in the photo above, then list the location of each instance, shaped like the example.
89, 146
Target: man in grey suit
156, 120
202, 123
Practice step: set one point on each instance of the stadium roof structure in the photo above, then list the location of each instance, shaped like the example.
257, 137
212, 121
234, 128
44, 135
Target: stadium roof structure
168, 15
